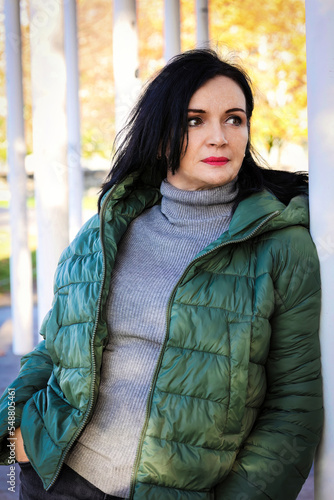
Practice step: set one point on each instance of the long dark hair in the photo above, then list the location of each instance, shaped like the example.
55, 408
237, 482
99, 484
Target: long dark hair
153, 139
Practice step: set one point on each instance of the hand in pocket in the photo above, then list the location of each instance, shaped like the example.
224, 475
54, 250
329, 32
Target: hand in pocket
19, 449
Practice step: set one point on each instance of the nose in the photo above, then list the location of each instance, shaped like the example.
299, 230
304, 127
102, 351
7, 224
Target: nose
217, 135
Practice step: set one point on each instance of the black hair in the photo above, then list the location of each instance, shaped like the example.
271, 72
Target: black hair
153, 139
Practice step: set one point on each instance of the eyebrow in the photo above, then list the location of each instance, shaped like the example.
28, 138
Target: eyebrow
196, 111
232, 110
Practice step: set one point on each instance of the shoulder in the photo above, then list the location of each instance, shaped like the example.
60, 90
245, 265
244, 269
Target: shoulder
86, 241
288, 246
296, 269
82, 259
295, 241
289, 234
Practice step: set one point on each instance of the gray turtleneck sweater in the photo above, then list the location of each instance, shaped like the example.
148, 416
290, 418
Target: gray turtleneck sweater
154, 252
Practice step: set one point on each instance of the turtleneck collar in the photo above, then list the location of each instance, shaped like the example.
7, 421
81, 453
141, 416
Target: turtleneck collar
179, 204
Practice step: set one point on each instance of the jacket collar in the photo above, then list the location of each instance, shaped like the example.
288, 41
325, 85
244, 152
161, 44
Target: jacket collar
261, 211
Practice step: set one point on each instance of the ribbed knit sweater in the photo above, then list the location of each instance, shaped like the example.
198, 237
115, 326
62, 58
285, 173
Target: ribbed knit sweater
152, 255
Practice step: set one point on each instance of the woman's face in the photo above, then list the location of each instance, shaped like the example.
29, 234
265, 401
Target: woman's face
217, 136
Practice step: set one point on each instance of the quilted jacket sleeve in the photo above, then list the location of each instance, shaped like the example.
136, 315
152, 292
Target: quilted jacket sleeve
276, 458
36, 368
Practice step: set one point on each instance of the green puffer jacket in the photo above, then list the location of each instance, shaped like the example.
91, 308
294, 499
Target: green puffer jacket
235, 407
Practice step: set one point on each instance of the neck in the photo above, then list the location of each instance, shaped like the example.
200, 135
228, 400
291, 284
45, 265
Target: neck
179, 204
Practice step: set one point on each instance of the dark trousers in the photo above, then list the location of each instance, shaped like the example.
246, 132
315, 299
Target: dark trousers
68, 486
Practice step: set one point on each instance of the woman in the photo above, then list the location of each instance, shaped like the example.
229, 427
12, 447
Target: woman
201, 268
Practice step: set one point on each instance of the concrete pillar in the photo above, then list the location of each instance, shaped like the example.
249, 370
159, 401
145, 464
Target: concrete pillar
202, 23
125, 59
20, 261
172, 29
75, 174
320, 84
48, 75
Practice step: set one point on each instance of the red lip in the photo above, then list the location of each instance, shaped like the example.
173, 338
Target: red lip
214, 160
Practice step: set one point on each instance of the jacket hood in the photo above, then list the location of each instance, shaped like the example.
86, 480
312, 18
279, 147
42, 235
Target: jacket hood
257, 208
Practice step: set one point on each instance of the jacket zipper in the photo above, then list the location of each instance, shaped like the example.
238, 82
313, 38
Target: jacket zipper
168, 312
91, 347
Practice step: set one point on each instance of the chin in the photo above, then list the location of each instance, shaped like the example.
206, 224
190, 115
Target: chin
215, 183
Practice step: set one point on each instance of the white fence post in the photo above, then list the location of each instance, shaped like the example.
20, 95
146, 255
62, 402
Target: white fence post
20, 261
320, 83
125, 59
75, 173
202, 23
172, 22
48, 75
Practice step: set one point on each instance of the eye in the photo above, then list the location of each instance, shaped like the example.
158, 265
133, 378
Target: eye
234, 120
194, 121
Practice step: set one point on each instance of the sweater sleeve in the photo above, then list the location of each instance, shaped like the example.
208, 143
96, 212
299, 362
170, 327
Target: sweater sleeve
276, 457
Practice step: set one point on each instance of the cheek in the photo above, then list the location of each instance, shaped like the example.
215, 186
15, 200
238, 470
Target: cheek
242, 143
196, 139
190, 154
